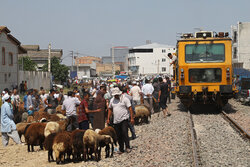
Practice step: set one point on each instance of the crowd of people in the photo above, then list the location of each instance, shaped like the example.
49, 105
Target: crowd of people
103, 103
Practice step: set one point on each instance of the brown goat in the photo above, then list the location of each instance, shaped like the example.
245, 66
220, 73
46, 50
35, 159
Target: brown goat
35, 135
109, 130
21, 128
54, 117
77, 144
91, 141
62, 145
48, 143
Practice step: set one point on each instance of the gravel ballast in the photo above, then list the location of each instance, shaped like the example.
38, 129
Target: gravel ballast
218, 143
239, 112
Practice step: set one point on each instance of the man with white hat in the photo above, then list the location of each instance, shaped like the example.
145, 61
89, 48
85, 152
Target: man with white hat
120, 106
8, 126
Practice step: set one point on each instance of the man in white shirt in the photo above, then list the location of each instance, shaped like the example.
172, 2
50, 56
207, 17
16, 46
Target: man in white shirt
69, 105
120, 107
147, 91
43, 96
136, 93
174, 61
173, 58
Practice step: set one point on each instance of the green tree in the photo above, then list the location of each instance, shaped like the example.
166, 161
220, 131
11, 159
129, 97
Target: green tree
117, 72
59, 71
27, 64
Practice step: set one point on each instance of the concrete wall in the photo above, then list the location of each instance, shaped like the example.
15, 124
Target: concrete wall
105, 68
35, 79
8, 73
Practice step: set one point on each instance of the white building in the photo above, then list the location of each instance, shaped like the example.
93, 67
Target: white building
10, 48
241, 45
85, 70
150, 59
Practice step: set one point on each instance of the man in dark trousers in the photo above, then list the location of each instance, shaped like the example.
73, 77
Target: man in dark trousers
169, 89
162, 98
120, 106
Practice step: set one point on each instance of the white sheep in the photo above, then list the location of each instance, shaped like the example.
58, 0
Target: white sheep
92, 141
51, 127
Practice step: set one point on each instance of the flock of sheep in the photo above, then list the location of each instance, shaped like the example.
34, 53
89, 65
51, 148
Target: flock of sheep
78, 144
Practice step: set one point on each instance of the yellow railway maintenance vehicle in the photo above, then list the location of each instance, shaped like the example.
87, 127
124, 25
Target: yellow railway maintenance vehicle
203, 70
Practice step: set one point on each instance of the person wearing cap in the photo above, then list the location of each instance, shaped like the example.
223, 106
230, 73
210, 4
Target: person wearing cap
8, 126
135, 92
120, 107
30, 111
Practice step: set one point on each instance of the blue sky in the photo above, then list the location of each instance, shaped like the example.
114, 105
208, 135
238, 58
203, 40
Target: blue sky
92, 26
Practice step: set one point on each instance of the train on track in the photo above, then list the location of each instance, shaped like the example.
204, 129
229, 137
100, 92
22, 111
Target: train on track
203, 69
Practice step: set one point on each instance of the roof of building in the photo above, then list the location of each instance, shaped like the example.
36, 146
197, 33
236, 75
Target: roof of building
153, 45
120, 47
12, 38
31, 47
4, 28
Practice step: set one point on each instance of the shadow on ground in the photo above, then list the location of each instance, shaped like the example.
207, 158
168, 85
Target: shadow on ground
228, 108
200, 109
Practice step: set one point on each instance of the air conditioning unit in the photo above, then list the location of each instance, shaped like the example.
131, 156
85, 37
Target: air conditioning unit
204, 34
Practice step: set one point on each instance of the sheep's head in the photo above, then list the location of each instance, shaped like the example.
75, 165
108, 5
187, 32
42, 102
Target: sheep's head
107, 139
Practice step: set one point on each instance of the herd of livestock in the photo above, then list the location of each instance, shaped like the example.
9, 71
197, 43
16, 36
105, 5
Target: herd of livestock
49, 132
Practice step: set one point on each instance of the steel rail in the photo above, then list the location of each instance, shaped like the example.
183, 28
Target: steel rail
194, 141
236, 125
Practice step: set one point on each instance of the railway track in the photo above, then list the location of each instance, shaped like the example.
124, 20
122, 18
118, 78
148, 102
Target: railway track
193, 141
235, 125
215, 142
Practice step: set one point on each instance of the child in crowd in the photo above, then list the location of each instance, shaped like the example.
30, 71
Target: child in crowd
30, 111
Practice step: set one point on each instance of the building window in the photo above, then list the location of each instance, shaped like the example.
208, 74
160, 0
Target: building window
9, 75
235, 53
3, 56
5, 78
163, 51
163, 69
163, 60
10, 59
235, 36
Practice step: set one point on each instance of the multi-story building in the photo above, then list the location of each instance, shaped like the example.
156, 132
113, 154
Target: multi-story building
85, 67
120, 57
10, 48
150, 59
40, 56
241, 45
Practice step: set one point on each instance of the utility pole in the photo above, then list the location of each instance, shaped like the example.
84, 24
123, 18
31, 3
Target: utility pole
49, 57
72, 54
113, 62
77, 61
158, 66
